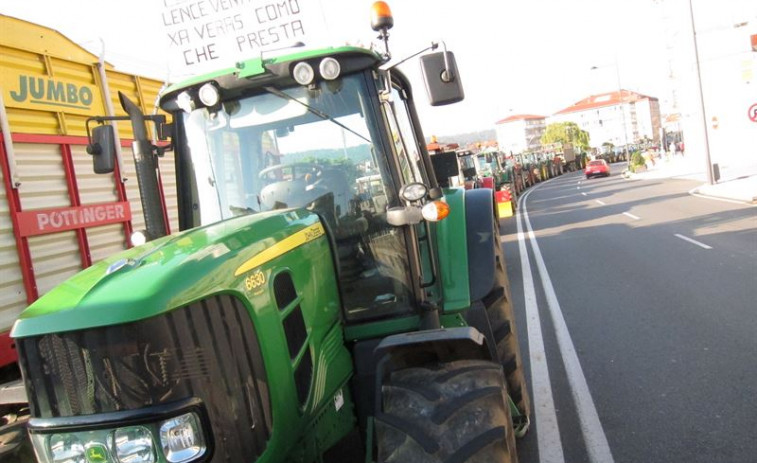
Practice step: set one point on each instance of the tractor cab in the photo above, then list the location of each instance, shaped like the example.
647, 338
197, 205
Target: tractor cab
323, 131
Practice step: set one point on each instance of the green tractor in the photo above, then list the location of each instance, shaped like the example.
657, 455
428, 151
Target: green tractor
326, 300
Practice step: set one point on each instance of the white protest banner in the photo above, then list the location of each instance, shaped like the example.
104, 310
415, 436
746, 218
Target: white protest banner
206, 35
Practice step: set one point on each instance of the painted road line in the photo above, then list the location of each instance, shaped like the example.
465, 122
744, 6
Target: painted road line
628, 214
591, 428
600, 202
583, 193
686, 238
547, 429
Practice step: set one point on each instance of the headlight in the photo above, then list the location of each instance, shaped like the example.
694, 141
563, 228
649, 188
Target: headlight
413, 192
133, 445
329, 68
138, 238
66, 448
303, 73
181, 438
209, 95
155, 438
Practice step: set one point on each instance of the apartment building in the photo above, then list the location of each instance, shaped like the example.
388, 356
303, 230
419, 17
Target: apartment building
622, 117
520, 132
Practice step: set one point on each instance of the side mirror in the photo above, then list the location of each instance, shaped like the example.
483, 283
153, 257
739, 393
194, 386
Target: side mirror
102, 147
442, 80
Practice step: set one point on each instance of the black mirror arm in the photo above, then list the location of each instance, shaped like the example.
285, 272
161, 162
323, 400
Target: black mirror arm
158, 119
433, 46
447, 75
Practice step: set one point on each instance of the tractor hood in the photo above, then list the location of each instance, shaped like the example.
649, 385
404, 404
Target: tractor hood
161, 275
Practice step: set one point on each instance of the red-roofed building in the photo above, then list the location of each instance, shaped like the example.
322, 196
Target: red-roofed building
621, 117
520, 132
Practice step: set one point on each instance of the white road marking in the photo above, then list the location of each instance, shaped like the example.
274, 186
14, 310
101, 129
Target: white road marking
600, 202
583, 193
548, 431
628, 214
591, 428
686, 238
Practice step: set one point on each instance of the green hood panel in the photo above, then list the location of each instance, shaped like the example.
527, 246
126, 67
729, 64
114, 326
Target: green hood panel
161, 275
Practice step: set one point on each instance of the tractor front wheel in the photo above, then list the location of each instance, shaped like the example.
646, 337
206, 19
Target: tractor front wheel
447, 412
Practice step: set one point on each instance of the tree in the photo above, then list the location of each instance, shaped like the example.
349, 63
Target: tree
566, 132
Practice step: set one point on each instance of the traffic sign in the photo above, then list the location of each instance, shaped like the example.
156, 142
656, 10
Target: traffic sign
753, 112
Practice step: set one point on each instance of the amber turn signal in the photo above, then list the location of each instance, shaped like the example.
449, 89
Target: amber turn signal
435, 211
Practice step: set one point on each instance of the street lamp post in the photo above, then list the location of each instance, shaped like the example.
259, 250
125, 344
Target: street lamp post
622, 111
708, 170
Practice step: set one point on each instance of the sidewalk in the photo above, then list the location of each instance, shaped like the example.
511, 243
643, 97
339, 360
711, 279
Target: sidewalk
736, 184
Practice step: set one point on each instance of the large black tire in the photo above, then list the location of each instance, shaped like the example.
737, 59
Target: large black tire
499, 309
453, 412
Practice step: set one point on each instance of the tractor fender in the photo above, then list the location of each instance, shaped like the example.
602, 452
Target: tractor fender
479, 220
423, 347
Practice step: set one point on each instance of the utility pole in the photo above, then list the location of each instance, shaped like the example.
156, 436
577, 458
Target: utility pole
708, 161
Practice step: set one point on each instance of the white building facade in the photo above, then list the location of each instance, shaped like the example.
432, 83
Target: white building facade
620, 118
519, 133
714, 90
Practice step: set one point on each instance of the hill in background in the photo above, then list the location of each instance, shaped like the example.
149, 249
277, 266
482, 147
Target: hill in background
464, 139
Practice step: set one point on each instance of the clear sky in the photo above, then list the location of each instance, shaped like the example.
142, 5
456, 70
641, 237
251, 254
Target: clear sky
514, 56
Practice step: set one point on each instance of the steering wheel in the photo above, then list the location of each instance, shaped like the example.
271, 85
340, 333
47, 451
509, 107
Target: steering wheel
290, 185
309, 172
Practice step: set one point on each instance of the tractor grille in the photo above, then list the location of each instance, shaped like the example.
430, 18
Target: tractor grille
208, 349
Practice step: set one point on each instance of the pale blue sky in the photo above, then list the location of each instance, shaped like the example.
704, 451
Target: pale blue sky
514, 56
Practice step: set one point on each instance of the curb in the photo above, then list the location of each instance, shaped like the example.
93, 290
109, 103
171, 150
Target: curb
722, 197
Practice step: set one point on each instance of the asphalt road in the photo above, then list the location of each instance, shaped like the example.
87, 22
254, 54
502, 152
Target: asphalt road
637, 316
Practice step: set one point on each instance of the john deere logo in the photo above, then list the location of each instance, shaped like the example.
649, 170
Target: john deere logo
53, 92
96, 453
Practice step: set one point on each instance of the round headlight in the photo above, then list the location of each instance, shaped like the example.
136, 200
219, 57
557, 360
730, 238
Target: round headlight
413, 192
329, 68
138, 238
209, 95
303, 73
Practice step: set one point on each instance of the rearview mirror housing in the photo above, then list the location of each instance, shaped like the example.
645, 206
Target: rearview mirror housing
443, 84
102, 147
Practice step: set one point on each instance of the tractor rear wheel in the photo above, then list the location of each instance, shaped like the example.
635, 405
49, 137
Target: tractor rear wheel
499, 309
447, 412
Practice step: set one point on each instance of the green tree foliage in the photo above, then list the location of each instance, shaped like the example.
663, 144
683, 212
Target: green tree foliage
566, 132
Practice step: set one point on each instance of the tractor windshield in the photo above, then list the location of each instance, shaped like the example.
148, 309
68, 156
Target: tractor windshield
297, 147
308, 147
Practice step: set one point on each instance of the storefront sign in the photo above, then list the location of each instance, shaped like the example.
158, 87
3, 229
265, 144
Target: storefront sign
44, 221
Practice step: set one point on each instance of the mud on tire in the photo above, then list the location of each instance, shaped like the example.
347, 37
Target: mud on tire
452, 412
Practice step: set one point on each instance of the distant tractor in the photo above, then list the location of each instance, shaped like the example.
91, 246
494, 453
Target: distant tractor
326, 300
